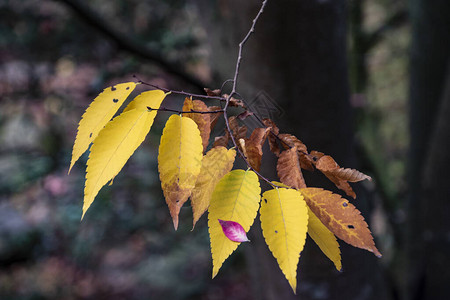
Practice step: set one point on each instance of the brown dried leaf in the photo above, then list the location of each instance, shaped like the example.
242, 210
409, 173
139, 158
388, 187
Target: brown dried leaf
288, 169
289, 140
245, 115
214, 93
306, 161
239, 132
215, 116
273, 143
203, 121
221, 140
234, 102
351, 175
340, 217
316, 155
340, 176
253, 146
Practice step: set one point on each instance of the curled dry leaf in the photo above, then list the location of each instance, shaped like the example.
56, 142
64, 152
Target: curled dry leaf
289, 141
234, 231
340, 217
316, 155
273, 144
221, 140
340, 176
203, 121
239, 132
215, 116
351, 175
253, 146
244, 115
242, 147
235, 102
288, 169
214, 93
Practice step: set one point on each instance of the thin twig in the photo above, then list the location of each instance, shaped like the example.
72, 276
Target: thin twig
182, 93
225, 82
233, 91
258, 118
185, 112
226, 99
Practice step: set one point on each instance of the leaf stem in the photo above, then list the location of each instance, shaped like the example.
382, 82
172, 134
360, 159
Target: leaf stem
182, 92
185, 112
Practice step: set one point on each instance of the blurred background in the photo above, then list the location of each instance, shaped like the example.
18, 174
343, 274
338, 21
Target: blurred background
366, 81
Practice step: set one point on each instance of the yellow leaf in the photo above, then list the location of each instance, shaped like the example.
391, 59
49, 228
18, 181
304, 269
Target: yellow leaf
284, 221
179, 162
147, 99
340, 217
101, 110
152, 99
113, 147
325, 239
215, 164
235, 198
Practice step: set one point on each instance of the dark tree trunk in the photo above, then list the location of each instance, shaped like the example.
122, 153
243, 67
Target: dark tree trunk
298, 56
429, 201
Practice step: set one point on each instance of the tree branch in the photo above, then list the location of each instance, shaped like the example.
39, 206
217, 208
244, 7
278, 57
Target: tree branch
396, 19
185, 112
182, 92
128, 44
226, 98
233, 91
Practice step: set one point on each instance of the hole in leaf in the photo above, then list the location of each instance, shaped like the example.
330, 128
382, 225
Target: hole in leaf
113, 88
351, 226
344, 204
265, 200
276, 231
128, 87
115, 100
90, 135
178, 201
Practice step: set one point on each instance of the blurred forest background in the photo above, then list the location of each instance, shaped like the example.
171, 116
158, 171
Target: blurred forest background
366, 81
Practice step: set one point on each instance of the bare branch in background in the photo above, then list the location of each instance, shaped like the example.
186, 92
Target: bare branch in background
397, 19
128, 44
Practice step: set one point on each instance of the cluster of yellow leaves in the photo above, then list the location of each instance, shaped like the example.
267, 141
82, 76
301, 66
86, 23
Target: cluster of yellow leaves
288, 212
113, 141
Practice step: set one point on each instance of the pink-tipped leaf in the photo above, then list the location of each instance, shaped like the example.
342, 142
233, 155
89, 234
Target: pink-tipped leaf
233, 231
